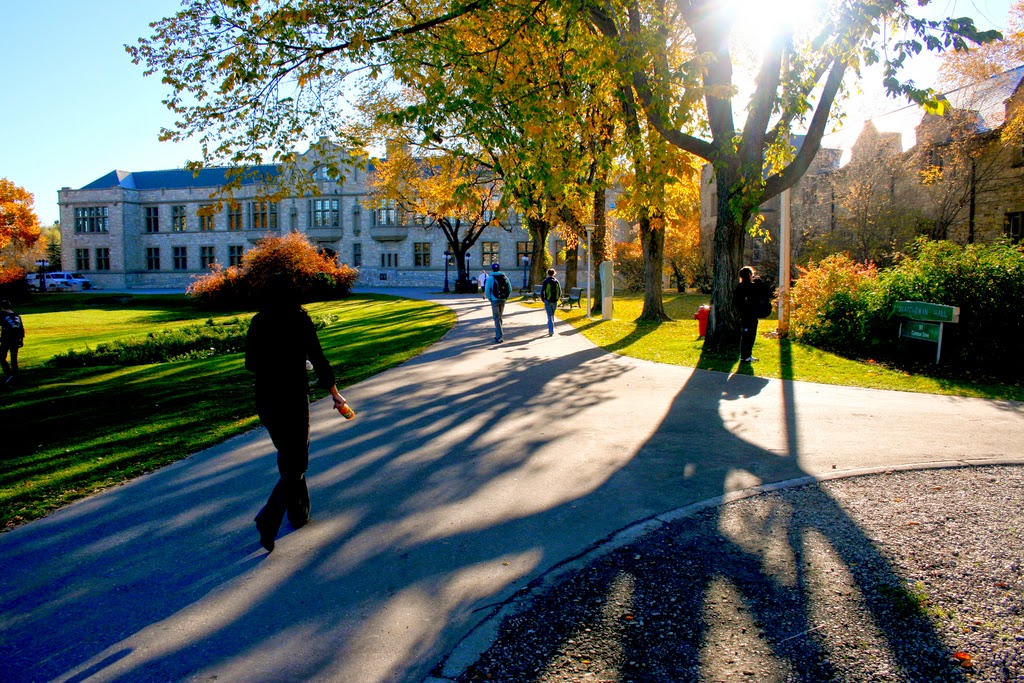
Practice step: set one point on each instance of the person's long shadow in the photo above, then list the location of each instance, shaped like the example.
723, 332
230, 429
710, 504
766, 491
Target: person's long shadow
764, 564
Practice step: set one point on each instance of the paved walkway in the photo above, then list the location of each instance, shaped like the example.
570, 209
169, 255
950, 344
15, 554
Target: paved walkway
468, 473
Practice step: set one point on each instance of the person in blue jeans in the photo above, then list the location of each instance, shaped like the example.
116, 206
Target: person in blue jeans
550, 294
497, 301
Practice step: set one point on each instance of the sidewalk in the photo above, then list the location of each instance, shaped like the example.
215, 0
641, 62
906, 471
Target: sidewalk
469, 472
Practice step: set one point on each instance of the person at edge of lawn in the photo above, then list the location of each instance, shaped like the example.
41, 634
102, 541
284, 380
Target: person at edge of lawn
551, 294
496, 290
745, 300
280, 340
481, 281
12, 338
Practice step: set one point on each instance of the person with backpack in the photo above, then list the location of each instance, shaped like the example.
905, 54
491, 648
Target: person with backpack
550, 294
749, 299
12, 338
497, 290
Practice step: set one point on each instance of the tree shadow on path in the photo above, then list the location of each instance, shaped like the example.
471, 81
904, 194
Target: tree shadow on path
717, 593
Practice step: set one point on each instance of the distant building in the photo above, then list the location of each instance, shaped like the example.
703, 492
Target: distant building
145, 229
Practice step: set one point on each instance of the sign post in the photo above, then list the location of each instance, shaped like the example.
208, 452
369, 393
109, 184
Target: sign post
925, 321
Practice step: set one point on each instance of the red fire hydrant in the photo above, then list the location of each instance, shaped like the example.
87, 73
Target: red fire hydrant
701, 316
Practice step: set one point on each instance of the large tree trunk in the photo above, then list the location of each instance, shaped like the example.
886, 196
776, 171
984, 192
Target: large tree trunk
540, 260
724, 323
572, 264
652, 241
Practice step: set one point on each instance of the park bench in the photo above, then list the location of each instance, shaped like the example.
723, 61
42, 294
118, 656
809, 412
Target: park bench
537, 290
573, 297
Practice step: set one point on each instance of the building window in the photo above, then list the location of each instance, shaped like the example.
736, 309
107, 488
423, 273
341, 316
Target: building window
81, 259
102, 258
357, 255
523, 250
326, 213
490, 253
91, 219
235, 216
178, 222
180, 255
206, 257
559, 252
1015, 226
207, 222
389, 260
421, 254
152, 258
152, 219
263, 216
235, 254
386, 214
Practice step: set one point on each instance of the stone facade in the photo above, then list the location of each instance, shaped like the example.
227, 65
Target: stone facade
145, 229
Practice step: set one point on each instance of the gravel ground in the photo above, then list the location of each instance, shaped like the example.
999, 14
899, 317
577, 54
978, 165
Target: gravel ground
905, 576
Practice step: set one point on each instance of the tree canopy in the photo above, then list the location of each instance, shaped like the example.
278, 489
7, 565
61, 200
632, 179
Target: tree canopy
19, 225
252, 78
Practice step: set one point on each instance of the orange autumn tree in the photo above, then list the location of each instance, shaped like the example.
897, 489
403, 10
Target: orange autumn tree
315, 273
19, 228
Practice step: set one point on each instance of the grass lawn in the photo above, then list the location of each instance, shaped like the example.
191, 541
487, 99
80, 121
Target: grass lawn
68, 433
677, 343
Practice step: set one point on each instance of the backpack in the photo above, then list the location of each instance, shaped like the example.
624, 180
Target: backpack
502, 288
551, 291
13, 330
762, 299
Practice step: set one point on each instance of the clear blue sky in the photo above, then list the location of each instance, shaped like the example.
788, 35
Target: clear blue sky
76, 108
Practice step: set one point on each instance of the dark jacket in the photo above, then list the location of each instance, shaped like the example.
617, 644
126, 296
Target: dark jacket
280, 340
745, 300
12, 331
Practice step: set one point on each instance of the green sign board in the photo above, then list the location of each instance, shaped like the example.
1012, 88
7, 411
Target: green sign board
926, 312
915, 329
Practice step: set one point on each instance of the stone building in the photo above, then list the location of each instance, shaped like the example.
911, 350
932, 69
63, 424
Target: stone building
899, 175
146, 229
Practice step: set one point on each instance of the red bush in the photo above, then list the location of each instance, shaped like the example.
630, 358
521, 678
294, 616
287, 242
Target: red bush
317, 276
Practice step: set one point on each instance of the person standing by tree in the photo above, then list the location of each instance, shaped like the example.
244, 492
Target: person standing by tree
550, 293
281, 338
497, 290
745, 298
12, 338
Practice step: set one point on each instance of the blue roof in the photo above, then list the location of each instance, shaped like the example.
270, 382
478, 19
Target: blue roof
179, 178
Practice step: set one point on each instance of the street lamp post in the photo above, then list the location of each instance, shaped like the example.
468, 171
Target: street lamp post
526, 271
447, 262
590, 231
43, 265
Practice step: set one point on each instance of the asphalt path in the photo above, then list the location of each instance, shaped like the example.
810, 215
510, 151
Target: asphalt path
469, 473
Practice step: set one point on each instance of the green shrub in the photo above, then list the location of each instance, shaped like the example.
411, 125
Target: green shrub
985, 281
186, 343
846, 307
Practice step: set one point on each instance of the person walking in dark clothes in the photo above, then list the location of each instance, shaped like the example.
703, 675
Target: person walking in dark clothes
551, 294
281, 338
745, 300
12, 337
